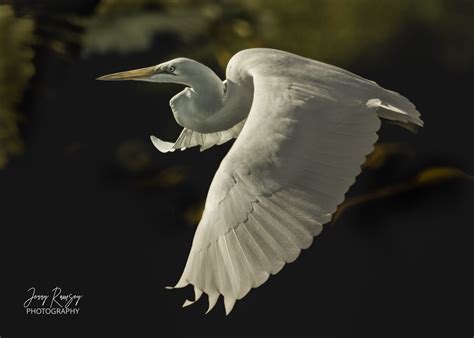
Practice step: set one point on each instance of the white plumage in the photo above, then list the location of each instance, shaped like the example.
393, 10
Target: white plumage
303, 130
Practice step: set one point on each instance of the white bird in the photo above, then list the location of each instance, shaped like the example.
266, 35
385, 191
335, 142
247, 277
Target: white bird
303, 130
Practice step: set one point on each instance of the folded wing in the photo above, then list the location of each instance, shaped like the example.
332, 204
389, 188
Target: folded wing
189, 138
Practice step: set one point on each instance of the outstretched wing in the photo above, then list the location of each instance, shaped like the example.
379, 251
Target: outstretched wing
189, 138
297, 155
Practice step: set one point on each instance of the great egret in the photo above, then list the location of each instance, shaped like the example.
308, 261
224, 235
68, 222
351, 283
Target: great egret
303, 130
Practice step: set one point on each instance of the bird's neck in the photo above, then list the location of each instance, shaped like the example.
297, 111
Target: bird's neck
210, 105
207, 96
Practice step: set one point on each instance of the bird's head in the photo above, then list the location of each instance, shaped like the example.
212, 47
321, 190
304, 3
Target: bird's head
180, 70
192, 105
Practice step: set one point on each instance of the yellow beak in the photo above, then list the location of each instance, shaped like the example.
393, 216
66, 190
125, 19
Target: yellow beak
135, 74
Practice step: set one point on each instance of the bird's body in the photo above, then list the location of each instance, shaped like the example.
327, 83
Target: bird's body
303, 129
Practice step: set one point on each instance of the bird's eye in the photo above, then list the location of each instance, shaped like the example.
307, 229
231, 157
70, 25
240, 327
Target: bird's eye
171, 69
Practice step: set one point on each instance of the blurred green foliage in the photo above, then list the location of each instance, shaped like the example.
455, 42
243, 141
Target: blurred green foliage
16, 69
337, 31
130, 26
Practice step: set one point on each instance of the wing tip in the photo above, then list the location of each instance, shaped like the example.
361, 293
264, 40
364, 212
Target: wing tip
228, 304
212, 298
161, 145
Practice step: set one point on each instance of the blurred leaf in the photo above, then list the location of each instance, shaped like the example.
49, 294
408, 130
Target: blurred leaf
132, 156
172, 176
167, 178
130, 26
16, 69
193, 214
380, 155
434, 175
428, 176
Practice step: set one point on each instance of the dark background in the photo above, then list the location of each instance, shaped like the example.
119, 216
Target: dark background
87, 203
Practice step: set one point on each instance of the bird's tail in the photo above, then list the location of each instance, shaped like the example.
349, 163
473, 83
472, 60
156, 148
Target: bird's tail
397, 110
